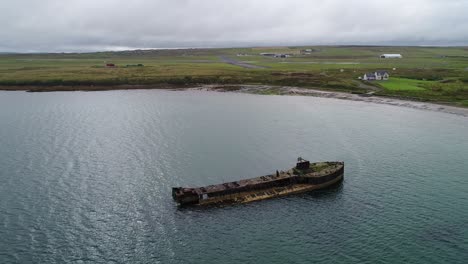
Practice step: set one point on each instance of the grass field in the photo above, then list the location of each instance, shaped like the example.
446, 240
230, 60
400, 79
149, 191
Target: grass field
402, 84
437, 74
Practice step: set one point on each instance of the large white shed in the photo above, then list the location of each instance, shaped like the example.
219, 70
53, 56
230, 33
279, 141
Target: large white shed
391, 56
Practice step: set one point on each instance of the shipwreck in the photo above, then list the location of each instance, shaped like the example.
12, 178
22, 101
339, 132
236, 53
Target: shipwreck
304, 177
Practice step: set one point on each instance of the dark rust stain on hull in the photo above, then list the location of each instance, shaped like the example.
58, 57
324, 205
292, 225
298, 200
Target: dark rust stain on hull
304, 177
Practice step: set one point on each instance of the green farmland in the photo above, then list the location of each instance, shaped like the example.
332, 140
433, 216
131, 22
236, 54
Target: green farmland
401, 84
435, 74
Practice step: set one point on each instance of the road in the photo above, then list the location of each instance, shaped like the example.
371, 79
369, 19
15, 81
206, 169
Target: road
239, 63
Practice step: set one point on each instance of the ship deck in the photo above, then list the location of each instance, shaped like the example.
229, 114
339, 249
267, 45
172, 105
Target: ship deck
257, 195
317, 169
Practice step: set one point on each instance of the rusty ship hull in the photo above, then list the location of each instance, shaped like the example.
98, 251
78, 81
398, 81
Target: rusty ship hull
304, 177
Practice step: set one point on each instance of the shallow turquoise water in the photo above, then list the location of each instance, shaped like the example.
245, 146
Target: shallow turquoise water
86, 178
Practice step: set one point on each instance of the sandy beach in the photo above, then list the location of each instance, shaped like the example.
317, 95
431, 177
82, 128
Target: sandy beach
287, 90
258, 89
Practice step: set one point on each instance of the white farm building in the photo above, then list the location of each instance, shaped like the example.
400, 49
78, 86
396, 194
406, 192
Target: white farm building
376, 76
391, 56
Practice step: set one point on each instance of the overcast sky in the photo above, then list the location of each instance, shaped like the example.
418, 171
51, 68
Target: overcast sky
91, 25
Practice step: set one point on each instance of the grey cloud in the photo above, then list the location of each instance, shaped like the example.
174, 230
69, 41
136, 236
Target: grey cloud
86, 25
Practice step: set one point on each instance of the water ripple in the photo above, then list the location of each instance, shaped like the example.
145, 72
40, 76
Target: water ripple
86, 178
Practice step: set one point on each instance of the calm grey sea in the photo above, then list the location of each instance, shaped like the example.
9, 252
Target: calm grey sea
86, 177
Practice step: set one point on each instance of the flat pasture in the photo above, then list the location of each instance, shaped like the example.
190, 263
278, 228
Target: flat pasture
402, 84
438, 74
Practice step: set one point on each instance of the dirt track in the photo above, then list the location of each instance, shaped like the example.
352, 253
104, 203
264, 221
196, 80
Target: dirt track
239, 63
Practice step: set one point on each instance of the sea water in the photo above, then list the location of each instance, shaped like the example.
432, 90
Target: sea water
86, 177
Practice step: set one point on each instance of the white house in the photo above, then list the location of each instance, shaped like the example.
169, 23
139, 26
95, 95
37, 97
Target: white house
391, 56
376, 76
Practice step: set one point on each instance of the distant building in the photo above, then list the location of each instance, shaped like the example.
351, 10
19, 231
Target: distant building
376, 76
391, 56
268, 54
370, 76
307, 51
276, 55
110, 65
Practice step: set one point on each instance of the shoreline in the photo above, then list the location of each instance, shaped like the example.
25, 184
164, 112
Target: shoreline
88, 88
257, 89
297, 91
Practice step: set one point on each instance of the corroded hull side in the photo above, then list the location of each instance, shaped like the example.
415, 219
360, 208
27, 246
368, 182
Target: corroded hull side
270, 193
300, 179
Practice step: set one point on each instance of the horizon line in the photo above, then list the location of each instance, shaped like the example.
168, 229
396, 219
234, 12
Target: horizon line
126, 49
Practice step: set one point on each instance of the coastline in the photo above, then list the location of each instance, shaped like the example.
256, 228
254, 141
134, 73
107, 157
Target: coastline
287, 90
257, 89
85, 88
